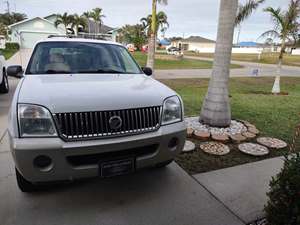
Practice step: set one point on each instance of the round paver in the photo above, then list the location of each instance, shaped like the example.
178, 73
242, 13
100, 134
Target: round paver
202, 135
237, 138
215, 148
189, 132
253, 149
188, 146
220, 137
249, 135
272, 142
253, 130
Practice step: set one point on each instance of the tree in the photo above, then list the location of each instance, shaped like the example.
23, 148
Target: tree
216, 107
286, 28
161, 23
11, 18
64, 19
152, 39
97, 16
76, 22
87, 16
133, 34
244, 11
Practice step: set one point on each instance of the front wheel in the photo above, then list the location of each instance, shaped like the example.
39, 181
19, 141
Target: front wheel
4, 86
23, 184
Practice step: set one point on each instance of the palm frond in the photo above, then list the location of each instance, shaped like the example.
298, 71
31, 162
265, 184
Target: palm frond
244, 11
276, 15
270, 33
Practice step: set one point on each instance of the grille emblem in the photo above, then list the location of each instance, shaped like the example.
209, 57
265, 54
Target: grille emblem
115, 122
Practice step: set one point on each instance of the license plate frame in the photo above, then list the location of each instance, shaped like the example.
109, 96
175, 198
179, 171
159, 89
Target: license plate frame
117, 167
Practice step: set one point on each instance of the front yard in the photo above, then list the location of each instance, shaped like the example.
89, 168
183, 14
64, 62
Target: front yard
274, 116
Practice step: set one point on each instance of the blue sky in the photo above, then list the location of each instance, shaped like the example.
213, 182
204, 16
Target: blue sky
188, 17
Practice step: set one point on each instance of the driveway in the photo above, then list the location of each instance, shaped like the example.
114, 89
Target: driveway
160, 197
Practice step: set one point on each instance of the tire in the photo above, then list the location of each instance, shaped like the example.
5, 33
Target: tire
4, 85
164, 164
23, 184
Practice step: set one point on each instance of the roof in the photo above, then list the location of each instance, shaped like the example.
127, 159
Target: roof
65, 39
198, 39
103, 29
28, 20
248, 44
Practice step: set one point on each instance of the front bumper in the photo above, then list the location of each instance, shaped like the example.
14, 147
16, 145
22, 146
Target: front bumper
25, 150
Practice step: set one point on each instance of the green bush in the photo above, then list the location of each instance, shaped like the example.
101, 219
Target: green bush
12, 46
283, 206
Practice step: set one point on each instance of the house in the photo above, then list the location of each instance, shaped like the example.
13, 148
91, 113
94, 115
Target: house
28, 32
194, 43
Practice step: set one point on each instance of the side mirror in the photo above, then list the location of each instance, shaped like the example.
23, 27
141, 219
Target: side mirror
147, 70
15, 71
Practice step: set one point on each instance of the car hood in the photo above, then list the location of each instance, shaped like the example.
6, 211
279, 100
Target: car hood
92, 92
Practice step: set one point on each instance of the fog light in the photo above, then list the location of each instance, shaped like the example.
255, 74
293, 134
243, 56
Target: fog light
173, 143
42, 162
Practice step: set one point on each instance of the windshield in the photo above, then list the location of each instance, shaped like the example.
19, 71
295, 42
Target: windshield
81, 57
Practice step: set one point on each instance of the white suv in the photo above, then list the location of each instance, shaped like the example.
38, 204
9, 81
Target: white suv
84, 108
4, 86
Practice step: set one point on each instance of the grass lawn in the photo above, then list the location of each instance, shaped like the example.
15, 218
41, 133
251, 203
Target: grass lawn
274, 116
141, 58
7, 53
268, 58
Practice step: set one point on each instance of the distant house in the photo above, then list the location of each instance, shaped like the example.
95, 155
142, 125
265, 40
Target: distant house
194, 43
28, 32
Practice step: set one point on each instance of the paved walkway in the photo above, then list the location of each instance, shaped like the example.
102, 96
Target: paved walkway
243, 188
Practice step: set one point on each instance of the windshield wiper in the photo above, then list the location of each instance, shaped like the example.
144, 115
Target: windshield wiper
56, 72
102, 71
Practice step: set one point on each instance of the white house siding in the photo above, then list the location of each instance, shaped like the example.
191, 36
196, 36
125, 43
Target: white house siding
296, 51
27, 33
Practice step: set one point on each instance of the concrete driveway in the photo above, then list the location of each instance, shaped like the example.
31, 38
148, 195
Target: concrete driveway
162, 196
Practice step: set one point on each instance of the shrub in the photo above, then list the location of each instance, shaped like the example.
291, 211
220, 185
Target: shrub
283, 207
12, 46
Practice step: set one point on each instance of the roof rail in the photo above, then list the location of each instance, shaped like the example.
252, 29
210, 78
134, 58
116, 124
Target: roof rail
62, 36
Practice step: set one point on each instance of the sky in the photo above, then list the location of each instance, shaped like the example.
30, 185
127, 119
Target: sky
186, 17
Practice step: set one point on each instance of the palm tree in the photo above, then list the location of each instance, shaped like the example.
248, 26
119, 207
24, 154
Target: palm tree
161, 22
216, 107
286, 29
152, 39
64, 19
76, 22
244, 11
97, 16
87, 16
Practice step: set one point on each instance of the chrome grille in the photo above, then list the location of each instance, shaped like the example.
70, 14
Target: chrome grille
93, 125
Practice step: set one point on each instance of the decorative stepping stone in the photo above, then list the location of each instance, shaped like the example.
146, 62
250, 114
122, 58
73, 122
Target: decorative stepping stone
272, 142
237, 138
253, 149
249, 135
189, 132
201, 135
253, 130
215, 148
189, 146
220, 137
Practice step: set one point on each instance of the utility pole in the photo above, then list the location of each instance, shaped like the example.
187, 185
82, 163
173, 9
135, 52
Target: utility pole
7, 6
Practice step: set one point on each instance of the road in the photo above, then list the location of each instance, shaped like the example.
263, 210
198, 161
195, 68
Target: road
268, 70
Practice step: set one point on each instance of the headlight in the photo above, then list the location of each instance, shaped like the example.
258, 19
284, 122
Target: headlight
35, 121
172, 111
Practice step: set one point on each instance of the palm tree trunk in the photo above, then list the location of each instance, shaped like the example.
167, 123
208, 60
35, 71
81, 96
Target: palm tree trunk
216, 107
276, 85
151, 45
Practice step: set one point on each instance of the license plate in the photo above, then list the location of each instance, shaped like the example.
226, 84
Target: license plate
117, 167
